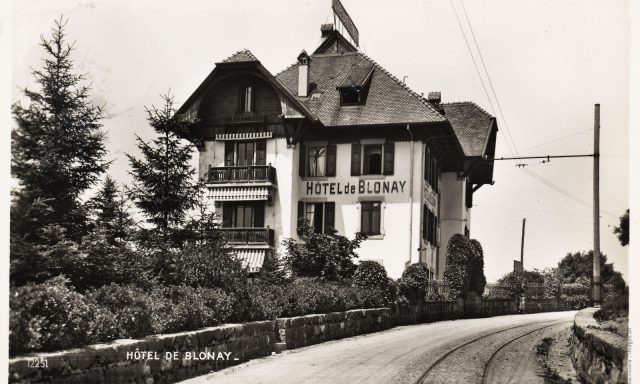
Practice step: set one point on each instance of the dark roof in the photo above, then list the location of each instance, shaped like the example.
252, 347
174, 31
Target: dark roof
471, 124
245, 58
356, 77
240, 56
388, 101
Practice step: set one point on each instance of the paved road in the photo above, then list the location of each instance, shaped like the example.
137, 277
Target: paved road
491, 350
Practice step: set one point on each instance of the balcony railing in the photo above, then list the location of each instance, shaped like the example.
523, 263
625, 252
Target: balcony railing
246, 174
248, 235
250, 118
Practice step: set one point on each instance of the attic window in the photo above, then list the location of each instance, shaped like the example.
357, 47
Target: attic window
246, 99
315, 96
353, 88
350, 96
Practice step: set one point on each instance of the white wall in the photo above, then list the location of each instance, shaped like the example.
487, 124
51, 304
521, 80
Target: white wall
454, 213
393, 247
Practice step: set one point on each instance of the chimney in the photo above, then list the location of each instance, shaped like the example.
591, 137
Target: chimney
303, 73
325, 30
434, 97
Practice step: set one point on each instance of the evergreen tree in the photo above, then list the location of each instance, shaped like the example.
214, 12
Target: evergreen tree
111, 212
57, 147
622, 231
164, 187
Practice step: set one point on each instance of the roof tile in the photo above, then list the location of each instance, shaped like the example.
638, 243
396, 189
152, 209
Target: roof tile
471, 124
240, 56
389, 101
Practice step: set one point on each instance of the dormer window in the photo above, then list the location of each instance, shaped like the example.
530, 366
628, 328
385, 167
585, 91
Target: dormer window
353, 88
246, 99
350, 96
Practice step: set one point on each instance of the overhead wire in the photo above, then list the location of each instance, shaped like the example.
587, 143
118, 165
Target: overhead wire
475, 64
486, 71
557, 139
510, 140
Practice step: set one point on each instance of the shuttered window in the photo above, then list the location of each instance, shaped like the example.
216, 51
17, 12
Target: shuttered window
329, 216
389, 152
331, 160
302, 160
355, 159
371, 216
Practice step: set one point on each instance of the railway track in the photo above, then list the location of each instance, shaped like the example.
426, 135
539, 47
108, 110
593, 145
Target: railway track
424, 378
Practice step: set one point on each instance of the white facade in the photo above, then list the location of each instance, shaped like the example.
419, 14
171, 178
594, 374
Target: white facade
377, 158
402, 196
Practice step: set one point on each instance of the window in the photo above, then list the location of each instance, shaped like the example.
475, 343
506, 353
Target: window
320, 216
245, 153
431, 169
243, 214
372, 159
318, 161
350, 96
246, 99
429, 226
370, 223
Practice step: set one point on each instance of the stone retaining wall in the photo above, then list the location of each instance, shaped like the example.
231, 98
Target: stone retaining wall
173, 357
598, 356
296, 332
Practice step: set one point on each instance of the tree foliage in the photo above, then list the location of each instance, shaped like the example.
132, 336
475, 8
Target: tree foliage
622, 230
328, 256
58, 146
580, 264
164, 188
110, 208
517, 282
465, 266
413, 283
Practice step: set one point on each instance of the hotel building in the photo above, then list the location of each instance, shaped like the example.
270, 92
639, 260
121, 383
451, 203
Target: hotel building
337, 140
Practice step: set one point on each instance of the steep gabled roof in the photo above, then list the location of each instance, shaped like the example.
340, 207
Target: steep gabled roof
388, 101
471, 124
241, 56
245, 58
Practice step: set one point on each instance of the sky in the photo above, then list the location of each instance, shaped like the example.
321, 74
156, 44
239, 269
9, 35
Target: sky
549, 62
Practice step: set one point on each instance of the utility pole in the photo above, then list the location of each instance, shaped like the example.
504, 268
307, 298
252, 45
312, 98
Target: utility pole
596, 207
524, 220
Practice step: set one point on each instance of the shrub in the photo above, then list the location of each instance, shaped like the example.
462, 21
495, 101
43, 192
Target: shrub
327, 256
465, 266
578, 294
370, 274
204, 265
186, 308
308, 296
165, 309
259, 301
131, 306
52, 316
413, 282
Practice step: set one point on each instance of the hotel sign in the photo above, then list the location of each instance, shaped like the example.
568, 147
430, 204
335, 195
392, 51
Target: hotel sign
362, 187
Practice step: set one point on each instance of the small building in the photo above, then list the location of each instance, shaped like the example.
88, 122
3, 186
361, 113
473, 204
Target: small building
338, 141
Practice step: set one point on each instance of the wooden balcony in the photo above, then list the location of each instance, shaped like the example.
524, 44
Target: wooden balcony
245, 118
246, 174
253, 236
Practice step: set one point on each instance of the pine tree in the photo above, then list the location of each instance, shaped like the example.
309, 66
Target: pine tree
164, 186
57, 147
110, 209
